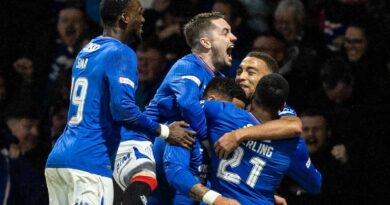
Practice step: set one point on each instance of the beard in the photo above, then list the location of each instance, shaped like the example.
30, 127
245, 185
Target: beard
219, 59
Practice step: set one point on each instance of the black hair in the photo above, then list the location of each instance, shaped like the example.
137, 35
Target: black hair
335, 70
110, 10
313, 112
271, 63
227, 88
272, 92
198, 25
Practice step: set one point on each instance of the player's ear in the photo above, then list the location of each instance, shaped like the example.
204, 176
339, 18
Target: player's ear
124, 19
205, 42
211, 97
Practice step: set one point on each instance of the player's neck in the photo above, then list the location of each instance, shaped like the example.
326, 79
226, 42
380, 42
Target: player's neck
117, 33
263, 114
206, 60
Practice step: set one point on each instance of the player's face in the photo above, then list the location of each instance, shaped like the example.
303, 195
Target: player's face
355, 43
135, 19
249, 73
222, 43
314, 132
71, 24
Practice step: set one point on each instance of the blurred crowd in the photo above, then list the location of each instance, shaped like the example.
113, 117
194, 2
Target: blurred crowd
334, 53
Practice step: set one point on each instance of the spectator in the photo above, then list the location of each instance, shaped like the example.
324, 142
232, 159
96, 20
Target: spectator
27, 156
59, 114
72, 30
152, 67
330, 160
368, 65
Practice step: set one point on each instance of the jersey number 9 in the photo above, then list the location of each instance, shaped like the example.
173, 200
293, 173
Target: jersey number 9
77, 98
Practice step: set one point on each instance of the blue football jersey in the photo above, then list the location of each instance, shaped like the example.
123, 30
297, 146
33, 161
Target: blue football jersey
178, 98
104, 80
254, 170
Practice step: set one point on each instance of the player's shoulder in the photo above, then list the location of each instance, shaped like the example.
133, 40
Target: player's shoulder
110, 47
288, 111
188, 64
214, 108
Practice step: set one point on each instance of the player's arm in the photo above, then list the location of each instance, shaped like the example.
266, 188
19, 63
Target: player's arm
122, 81
179, 176
177, 168
303, 172
287, 126
187, 93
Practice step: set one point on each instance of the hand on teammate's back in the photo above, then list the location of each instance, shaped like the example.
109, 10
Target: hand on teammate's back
226, 145
180, 135
225, 201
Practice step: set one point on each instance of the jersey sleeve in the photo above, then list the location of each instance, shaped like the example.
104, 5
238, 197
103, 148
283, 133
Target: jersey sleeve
178, 165
186, 88
122, 79
303, 172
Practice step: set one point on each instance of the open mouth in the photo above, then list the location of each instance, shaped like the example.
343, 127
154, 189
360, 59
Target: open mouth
230, 50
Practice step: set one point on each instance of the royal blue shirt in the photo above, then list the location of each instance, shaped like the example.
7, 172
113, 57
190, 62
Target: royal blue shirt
104, 80
254, 170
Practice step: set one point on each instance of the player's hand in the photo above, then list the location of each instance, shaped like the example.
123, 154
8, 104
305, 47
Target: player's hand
220, 200
226, 144
179, 135
339, 152
280, 200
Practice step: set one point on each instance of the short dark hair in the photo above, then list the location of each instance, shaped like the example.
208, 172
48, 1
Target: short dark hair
272, 92
110, 10
313, 112
199, 24
271, 63
335, 70
227, 88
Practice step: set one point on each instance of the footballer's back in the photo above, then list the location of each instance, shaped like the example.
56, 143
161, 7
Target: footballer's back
91, 135
254, 170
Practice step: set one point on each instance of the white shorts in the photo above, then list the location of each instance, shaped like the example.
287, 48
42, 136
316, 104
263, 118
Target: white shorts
133, 157
71, 186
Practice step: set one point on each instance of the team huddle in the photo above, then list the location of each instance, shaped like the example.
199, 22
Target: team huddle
202, 139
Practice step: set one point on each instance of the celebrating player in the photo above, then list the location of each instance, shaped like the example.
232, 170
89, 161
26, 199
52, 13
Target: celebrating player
104, 80
211, 41
252, 69
255, 168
